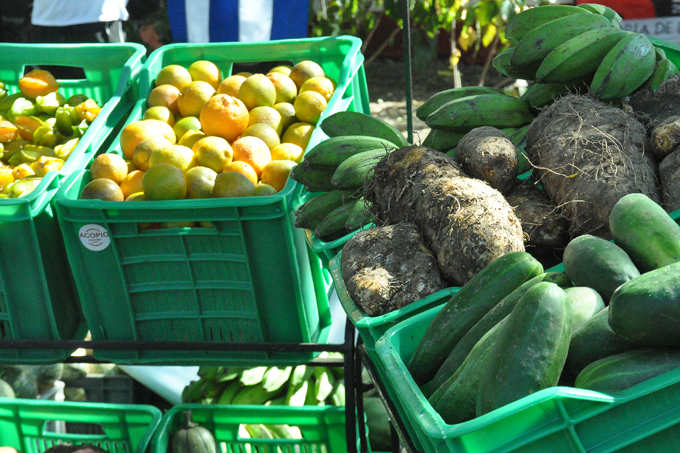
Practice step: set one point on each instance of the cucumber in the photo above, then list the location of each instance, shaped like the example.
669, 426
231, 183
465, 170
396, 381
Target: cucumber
530, 352
599, 264
645, 231
455, 399
622, 371
584, 302
502, 309
488, 287
646, 310
594, 340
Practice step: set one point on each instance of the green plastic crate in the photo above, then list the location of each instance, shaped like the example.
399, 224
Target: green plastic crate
671, 49
642, 419
28, 425
37, 296
249, 278
323, 427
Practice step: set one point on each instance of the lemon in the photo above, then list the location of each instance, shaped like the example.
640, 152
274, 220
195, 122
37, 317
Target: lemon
257, 90
213, 152
164, 182
200, 182
176, 155
233, 184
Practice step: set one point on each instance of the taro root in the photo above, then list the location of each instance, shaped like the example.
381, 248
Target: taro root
665, 137
669, 173
466, 223
488, 154
587, 155
386, 268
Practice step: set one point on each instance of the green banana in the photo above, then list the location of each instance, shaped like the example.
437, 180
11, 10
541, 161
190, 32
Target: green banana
347, 123
502, 64
323, 382
252, 376
297, 394
229, 374
625, 68
662, 71
300, 374
358, 216
252, 394
442, 140
229, 393
337, 395
464, 114
333, 227
350, 174
195, 391
309, 214
542, 94
438, 99
517, 134
275, 378
278, 401
605, 11
579, 56
535, 45
335, 150
284, 431
532, 18
315, 178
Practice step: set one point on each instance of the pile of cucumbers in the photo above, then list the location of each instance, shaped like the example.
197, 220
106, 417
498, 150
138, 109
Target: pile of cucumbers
334, 171
610, 321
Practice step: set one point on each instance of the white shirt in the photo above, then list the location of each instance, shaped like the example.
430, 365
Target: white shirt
59, 13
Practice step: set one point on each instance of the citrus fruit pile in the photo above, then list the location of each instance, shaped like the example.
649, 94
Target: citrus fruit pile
205, 136
39, 128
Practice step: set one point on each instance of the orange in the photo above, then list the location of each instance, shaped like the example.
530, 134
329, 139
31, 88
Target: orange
284, 86
164, 182
205, 71
321, 85
266, 115
137, 196
132, 183
257, 90
253, 151
213, 152
305, 70
190, 138
193, 96
184, 125
287, 112
276, 173
137, 131
173, 74
309, 106
224, 116
262, 190
283, 69
264, 132
177, 155
288, 151
159, 112
298, 134
142, 152
110, 166
231, 85
233, 184
166, 96
102, 189
200, 182
38, 82
243, 168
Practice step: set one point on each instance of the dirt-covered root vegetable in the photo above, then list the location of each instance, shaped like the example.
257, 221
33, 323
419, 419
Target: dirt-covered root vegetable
588, 155
653, 107
385, 268
665, 137
546, 231
669, 173
466, 223
488, 154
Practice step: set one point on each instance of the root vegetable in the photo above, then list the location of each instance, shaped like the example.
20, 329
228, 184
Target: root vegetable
669, 173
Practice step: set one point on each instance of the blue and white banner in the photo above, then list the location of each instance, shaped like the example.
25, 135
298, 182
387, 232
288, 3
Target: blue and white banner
666, 28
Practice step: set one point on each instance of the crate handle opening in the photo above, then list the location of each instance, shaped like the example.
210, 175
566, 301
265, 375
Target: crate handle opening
60, 72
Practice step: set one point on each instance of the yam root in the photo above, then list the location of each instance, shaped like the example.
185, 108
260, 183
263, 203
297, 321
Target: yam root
665, 137
488, 154
669, 173
653, 107
386, 268
587, 155
466, 223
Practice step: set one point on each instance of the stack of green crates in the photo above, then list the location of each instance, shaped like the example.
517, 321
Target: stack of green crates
37, 297
249, 278
29, 425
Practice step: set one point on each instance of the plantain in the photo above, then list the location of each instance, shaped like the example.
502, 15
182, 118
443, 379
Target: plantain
464, 114
502, 64
309, 214
603, 10
532, 18
229, 393
438, 99
542, 94
535, 45
350, 174
662, 71
358, 216
442, 140
344, 123
578, 56
297, 394
252, 376
252, 394
517, 134
323, 382
275, 378
315, 178
333, 226
335, 150
625, 68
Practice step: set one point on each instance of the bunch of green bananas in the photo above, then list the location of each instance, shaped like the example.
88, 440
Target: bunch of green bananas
292, 386
335, 170
566, 48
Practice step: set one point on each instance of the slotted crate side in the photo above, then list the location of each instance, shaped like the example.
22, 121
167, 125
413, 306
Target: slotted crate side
38, 299
127, 428
248, 277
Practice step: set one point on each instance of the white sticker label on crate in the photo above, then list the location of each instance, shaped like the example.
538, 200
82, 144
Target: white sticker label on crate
94, 237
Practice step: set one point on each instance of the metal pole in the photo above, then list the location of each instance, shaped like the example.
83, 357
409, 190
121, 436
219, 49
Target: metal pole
407, 68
